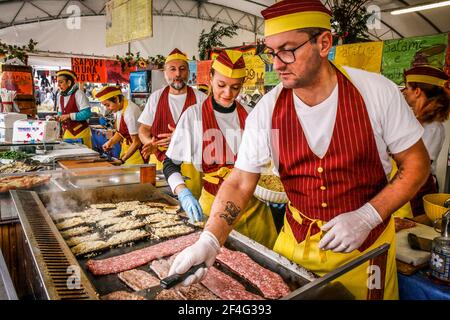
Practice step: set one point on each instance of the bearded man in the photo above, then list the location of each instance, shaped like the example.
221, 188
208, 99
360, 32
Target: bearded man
162, 112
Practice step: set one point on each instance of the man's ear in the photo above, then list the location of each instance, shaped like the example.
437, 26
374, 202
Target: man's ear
325, 43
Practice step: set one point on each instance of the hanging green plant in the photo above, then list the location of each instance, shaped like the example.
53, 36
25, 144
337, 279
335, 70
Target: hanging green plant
213, 39
19, 52
131, 60
349, 20
157, 61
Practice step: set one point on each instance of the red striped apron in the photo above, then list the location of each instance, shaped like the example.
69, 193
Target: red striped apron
123, 130
163, 117
221, 153
349, 175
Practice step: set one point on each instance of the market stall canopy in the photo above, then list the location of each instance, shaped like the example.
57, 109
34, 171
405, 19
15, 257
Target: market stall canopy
46, 22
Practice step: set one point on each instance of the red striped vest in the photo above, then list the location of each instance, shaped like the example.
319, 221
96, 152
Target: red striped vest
163, 116
215, 151
349, 175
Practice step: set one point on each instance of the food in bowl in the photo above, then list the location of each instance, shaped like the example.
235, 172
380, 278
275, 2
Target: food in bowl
271, 182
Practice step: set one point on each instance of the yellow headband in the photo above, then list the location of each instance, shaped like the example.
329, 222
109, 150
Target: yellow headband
67, 73
176, 56
298, 20
228, 72
230, 63
107, 93
426, 79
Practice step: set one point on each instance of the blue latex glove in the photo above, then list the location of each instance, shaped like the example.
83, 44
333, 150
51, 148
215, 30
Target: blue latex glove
190, 205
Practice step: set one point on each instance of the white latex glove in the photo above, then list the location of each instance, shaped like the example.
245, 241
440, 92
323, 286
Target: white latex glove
204, 250
347, 231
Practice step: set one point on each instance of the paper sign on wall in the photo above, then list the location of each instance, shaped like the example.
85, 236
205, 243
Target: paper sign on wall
366, 56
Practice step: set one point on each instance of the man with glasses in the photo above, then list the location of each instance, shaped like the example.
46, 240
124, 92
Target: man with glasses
328, 130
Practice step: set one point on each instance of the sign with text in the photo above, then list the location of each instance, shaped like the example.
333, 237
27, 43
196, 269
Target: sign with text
366, 56
128, 20
90, 70
400, 54
21, 82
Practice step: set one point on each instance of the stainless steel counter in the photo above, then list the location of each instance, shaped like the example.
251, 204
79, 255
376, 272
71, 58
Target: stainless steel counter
7, 291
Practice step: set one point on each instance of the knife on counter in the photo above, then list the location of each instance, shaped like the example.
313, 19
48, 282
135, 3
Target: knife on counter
168, 283
419, 243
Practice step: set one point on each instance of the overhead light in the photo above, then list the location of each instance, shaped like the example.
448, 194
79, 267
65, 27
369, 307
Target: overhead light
421, 7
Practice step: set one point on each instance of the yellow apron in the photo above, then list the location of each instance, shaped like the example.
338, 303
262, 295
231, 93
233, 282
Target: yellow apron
256, 222
308, 255
405, 211
136, 158
85, 135
194, 183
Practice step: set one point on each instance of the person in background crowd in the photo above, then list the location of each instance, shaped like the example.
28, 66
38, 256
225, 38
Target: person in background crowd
327, 129
162, 112
126, 124
426, 92
208, 135
73, 108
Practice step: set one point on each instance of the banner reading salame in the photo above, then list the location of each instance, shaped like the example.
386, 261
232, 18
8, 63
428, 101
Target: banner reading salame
400, 54
128, 20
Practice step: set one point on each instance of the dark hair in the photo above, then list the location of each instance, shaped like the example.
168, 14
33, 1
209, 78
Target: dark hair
437, 107
313, 32
116, 99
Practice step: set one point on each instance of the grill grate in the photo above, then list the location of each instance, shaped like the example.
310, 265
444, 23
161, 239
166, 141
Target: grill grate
59, 271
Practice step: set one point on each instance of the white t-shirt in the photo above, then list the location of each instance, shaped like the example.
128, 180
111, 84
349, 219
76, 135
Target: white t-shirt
80, 99
393, 123
433, 138
176, 104
131, 115
187, 140
186, 144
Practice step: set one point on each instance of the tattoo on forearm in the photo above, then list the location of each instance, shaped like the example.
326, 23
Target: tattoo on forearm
398, 175
231, 212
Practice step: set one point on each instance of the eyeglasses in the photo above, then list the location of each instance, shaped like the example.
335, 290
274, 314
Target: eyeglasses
285, 56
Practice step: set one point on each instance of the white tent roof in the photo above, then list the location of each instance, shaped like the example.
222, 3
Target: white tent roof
177, 23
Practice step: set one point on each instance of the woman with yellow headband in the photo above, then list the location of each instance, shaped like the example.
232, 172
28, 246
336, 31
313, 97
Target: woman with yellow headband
208, 135
126, 115
73, 108
426, 92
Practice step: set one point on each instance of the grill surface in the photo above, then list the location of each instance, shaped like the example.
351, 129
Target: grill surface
54, 260
59, 272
